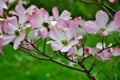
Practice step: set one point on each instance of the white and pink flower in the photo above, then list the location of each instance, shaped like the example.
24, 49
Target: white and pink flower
101, 53
13, 33
100, 24
40, 22
62, 39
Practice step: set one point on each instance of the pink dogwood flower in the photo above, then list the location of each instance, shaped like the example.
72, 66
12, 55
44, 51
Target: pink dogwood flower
84, 53
72, 25
102, 55
62, 39
40, 22
23, 14
74, 52
13, 33
100, 24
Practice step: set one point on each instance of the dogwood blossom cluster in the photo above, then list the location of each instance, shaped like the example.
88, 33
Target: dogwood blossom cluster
63, 32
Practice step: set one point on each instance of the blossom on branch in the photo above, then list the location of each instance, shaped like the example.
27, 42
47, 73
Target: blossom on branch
12, 32
62, 39
39, 21
100, 24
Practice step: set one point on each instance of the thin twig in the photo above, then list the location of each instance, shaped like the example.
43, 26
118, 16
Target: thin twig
87, 71
110, 8
32, 54
108, 47
52, 60
88, 2
107, 11
64, 65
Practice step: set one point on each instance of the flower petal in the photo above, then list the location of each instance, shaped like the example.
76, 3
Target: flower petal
101, 18
1, 12
116, 51
42, 32
44, 14
9, 28
112, 1
91, 27
6, 39
66, 48
55, 12
62, 23
72, 51
34, 21
80, 21
100, 45
20, 9
13, 21
18, 40
69, 46
112, 26
117, 18
80, 52
21, 13
105, 55
56, 34
3, 4
55, 45
65, 15
68, 34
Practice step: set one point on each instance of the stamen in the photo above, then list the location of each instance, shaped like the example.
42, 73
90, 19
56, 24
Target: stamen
64, 42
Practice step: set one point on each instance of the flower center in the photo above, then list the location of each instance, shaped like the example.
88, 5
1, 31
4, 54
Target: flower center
16, 32
19, 24
64, 42
45, 24
102, 29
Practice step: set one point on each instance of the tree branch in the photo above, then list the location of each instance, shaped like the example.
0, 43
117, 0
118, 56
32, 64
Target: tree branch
108, 47
48, 58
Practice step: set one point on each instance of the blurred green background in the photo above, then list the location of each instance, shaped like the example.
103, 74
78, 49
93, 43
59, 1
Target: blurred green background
16, 65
